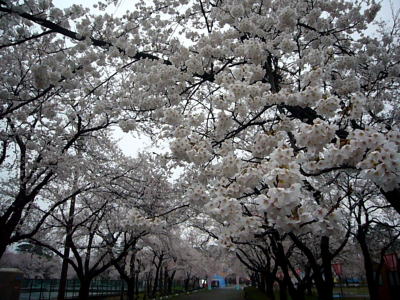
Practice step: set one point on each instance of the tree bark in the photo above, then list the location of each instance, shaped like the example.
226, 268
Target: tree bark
262, 282
156, 279
186, 284
170, 282
148, 284
282, 290
368, 265
4, 241
327, 288
269, 286
67, 248
283, 262
84, 289
131, 289
323, 278
10, 219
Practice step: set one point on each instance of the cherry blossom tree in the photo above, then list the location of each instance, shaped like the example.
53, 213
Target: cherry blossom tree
155, 204
129, 201
54, 95
376, 227
34, 266
264, 103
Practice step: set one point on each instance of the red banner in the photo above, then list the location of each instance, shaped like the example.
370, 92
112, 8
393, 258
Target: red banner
338, 269
391, 261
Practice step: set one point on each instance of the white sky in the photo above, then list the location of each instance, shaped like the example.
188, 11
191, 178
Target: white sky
131, 144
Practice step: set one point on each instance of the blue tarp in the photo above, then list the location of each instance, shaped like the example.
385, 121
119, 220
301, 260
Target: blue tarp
220, 279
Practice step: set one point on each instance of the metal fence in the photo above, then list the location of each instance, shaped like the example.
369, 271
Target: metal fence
47, 289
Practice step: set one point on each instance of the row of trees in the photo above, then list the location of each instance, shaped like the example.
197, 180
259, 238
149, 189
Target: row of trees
297, 261
66, 186
284, 116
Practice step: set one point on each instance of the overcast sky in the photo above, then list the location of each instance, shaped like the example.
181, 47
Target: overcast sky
124, 5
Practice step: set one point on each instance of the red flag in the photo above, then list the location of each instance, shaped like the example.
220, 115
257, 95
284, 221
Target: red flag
391, 261
338, 269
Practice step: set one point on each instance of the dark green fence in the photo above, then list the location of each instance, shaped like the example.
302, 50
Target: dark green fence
47, 289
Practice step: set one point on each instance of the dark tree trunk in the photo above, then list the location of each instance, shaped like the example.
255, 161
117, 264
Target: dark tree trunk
308, 281
257, 281
137, 286
262, 282
325, 285
269, 286
323, 276
148, 284
4, 242
170, 282
131, 289
327, 268
84, 289
186, 284
283, 262
157, 276
195, 281
64, 273
368, 265
282, 290
9, 221
67, 248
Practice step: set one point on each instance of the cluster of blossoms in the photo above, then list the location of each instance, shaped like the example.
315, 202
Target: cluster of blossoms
226, 207
287, 19
249, 177
309, 97
252, 50
127, 125
328, 107
315, 136
200, 153
376, 154
225, 210
223, 125
172, 116
198, 194
179, 147
279, 201
190, 148
136, 220
230, 165
358, 102
382, 166
264, 144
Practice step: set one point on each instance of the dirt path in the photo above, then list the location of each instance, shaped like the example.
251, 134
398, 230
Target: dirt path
217, 294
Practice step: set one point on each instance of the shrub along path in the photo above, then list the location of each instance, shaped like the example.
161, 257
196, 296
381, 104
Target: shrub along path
216, 294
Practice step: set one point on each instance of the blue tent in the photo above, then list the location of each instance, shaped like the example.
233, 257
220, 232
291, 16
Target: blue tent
220, 280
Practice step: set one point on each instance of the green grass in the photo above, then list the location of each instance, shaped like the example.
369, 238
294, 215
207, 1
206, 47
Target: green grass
199, 291
362, 290
253, 293
141, 296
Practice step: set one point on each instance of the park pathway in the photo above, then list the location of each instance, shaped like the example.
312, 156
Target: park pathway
216, 294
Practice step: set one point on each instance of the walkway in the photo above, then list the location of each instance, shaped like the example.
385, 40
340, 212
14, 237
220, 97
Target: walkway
216, 294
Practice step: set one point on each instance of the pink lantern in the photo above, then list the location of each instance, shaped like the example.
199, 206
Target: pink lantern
338, 269
391, 261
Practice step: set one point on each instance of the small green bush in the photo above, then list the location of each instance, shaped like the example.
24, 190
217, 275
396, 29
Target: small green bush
252, 293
